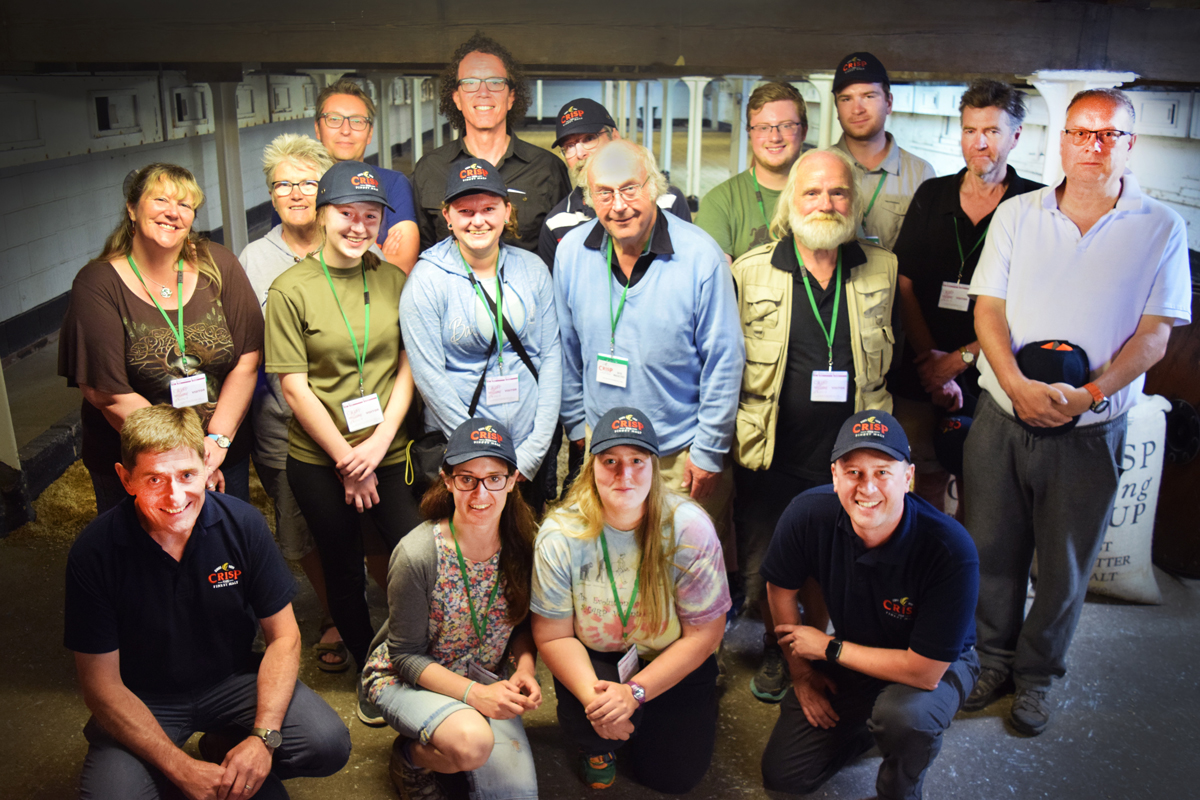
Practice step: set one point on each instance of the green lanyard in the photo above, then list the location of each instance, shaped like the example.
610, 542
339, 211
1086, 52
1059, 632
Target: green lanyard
963, 259
874, 197
480, 631
179, 297
758, 196
613, 320
837, 301
360, 356
622, 613
497, 318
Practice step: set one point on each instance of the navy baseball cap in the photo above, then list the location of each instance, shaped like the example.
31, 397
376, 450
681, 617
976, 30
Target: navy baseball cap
351, 182
1053, 361
624, 425
471, 175
581, 116
480, 438
859, 68
874, 430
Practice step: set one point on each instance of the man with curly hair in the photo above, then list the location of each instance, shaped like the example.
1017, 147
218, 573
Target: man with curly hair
484, 95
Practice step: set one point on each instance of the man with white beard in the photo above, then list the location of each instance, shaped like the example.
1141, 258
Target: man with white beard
816, 308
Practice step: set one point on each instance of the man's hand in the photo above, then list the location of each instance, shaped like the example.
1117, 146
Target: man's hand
948, 396
698, 482
1039, 404
812, 690
246, 766
614, 703
804, 641
202, 781
1079, 399
935, 368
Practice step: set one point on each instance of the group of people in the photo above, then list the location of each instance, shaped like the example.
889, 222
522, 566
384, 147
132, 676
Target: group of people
397, 358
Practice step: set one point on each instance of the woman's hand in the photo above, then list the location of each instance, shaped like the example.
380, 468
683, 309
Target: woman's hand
363, 458
501, 700
614, 703
526, 683
214, 454
362, 494
216, 481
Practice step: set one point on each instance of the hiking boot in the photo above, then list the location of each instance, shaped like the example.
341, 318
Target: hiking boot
991, 686
600, 771
413, 783
773, 679
1030, 711
368, 712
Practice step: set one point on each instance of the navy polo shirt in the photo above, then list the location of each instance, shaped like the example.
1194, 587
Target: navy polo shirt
916, 590
180, 626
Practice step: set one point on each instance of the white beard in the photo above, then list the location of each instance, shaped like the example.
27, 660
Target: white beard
821, 231
578, 173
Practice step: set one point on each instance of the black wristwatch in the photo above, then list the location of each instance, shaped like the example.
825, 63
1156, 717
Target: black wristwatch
833, 650
272, 739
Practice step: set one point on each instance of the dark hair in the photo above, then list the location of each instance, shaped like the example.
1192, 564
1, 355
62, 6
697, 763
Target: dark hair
985, 93
516, 80
517, 529
1114, 96
777, 90
345, 86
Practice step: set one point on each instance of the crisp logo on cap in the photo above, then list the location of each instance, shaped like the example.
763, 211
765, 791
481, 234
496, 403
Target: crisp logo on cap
869, 426
364, 180
854, 65
572, 114
627, 423
474, 172
486, 435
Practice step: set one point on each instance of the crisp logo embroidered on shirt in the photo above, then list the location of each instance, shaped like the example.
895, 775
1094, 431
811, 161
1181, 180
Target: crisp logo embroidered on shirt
225, 575
899, 609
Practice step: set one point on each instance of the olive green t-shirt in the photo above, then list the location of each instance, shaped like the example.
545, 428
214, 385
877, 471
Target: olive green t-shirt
305, 333
730, 214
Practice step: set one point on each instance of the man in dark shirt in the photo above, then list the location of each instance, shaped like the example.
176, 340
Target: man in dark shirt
485, 96
162, 599
899, 581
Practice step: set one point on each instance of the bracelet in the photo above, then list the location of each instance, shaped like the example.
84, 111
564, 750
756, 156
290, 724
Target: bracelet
468, 691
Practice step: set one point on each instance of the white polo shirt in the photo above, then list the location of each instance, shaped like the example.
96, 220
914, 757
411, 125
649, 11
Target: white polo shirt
1090, 290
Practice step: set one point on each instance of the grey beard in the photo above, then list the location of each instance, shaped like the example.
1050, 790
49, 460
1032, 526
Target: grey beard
821, 234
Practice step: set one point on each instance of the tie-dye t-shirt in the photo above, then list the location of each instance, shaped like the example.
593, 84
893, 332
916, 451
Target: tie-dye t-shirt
569, 578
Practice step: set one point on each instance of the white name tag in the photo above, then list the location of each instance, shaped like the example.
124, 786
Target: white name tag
829, 387
955, 296
503, 389
628, 664
612, 370
362, 412
189, 391
480, 675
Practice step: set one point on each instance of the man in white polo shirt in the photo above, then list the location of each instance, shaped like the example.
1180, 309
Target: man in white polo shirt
1095, 263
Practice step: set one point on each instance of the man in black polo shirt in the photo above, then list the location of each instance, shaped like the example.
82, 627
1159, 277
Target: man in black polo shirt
899, 581
162, 598
484, 95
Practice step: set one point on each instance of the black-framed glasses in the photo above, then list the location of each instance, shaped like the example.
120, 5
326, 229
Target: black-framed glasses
335, 121
1080, 137
467, 483
284, 188
471, 85
586, 144
629, 193
784, 128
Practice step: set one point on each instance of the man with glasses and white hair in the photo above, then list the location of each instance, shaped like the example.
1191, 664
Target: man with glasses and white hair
1091, 264
484, 95
648, 319
817, 316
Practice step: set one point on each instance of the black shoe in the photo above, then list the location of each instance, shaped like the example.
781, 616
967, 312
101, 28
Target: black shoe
413, 783
773, 679
368, 712
1030, 711
991, 686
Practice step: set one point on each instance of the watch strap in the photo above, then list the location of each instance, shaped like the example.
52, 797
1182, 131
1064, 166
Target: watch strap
833, 650
639, 692
1099, 401
222, 441
272, 739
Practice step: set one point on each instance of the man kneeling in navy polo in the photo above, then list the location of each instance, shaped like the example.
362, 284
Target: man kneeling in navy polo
162, 599
899, 579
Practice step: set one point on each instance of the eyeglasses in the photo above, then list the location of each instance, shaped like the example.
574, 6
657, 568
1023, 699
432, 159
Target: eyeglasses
629, 192
284, 188
335, 121
471, 85
467, 483
1081, 137
585, 145
784, 128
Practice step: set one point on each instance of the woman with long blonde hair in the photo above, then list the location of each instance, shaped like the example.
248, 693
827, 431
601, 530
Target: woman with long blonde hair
629, 602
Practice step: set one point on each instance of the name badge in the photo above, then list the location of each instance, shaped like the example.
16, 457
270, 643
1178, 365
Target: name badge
189, 391
628, 664
362, 412
612, 370
829, 386
503, 389
955, 296
480, 675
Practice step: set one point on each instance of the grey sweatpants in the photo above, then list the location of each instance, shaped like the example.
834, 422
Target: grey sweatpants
1052, 493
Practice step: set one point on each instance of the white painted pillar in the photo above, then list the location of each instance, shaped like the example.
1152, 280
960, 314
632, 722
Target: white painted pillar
824, 83
1057, 87
695, 131
622, 115
539, 99
439, 119
647, 119
384, 130
229, 165
668, 126
418, 126
739, 123
608, 99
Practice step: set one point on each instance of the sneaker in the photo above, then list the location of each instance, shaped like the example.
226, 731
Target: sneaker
413, 783
368, 712
600, 771
773, 679
1030, 711
991, 686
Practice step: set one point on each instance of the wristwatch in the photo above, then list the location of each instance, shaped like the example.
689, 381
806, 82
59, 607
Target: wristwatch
1099, 401
833, 650
272, 739
639, 693
222, 440
967, 356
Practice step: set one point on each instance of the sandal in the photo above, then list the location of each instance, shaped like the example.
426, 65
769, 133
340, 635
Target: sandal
336, 648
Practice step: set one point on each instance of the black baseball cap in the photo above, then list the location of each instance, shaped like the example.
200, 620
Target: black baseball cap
480, 438
1053, 361
624, 425
874, 430
351, 182
581, 116
471, 175
859, 68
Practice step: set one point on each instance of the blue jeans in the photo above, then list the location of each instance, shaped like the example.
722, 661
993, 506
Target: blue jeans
508, 774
